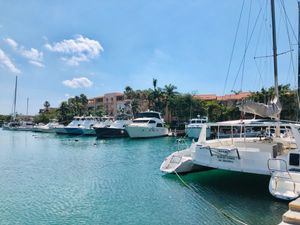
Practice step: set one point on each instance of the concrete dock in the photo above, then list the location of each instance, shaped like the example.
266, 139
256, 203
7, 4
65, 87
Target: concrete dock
292, 216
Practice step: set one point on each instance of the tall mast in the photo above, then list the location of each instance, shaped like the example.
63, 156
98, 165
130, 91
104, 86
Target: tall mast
274, 48
298, 59
15, 99
27, 106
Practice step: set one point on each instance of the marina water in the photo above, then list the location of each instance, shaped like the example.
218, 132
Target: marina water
51, 179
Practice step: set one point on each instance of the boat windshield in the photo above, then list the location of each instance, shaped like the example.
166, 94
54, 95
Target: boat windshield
140, 121
198, 121
148, 115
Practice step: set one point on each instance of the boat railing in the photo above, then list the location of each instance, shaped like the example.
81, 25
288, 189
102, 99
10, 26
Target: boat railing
181, 144
282, 172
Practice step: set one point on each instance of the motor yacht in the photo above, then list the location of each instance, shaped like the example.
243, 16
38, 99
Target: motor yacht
47, 128
147, 125
18, 126
116, 129
194, 127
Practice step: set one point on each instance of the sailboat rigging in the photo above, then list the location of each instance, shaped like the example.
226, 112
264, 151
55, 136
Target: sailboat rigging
275, 155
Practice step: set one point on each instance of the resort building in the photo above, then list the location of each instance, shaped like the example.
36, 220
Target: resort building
114, 103
110, 103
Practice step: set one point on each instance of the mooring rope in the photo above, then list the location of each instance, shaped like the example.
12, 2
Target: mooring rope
209, 203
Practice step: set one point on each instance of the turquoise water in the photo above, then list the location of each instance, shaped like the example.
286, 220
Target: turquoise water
50, 179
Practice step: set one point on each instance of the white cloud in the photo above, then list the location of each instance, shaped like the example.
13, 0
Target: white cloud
33, 55
81, 82
12, 43
75, 51
6, 62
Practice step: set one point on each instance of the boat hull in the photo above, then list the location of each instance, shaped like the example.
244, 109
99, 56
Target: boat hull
146, 132
181, 162
106, 132
43, 130
69, 131
89, 132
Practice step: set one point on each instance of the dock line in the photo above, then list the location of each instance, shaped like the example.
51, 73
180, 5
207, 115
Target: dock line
228, 216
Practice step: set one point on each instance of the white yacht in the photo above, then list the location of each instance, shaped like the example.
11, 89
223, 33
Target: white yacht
88, 123
80, 125
18, 126
146, 125
72, 128
116, 129
193, 129
47, 128
104, 121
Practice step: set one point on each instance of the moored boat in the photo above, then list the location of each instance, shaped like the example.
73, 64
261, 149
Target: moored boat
147, 125
194, 127
116, 129
47, 128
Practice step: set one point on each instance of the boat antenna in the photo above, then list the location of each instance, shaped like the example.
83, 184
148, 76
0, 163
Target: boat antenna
15, 99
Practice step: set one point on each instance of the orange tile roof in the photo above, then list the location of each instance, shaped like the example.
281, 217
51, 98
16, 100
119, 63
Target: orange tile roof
238, 96
206, 97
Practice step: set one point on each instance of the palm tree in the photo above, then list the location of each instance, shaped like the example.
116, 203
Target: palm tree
169, 92
46, 105
154, 83
129, 92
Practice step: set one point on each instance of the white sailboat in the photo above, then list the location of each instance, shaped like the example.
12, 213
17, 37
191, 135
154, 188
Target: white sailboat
278, 156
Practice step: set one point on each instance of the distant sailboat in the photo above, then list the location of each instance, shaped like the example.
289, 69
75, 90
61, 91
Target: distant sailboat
14, 124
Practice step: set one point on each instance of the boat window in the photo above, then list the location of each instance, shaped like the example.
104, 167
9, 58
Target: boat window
140, 121
159, 125
294, 159
151, 121
148, 115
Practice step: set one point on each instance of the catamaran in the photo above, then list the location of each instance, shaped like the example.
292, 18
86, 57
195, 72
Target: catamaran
277, 156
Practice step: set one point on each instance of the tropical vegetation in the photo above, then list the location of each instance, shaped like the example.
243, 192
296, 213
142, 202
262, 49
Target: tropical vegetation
176, 107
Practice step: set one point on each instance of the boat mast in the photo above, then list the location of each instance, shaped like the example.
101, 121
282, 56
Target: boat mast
15, 99
27, 107
274, 49
298, 60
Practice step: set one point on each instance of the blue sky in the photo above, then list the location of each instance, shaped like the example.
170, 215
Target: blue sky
60, 49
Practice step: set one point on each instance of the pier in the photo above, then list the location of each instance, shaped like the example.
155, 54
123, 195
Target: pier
292, 216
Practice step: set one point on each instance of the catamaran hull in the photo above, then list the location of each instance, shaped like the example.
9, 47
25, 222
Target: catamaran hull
181, 162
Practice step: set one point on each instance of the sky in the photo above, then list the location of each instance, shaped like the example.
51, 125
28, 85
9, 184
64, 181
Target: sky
59, 49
